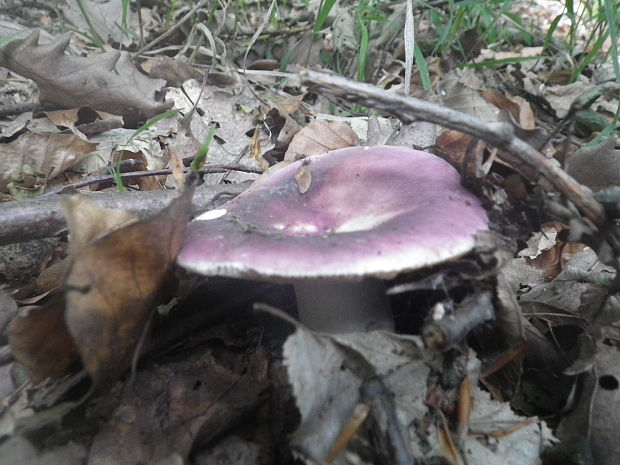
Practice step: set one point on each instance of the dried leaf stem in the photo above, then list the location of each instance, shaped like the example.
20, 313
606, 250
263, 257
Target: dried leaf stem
513, 149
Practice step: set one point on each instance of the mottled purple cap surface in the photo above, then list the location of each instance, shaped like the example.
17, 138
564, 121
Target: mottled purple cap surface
368, 212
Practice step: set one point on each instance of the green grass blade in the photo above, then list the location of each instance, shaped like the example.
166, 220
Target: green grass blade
363, 53
423, 68
324, 9
552, 28
611, 14
97, 40
201, 156
590, 56
151, 122
10, 37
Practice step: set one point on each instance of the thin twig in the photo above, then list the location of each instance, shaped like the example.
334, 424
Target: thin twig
170, 31
515, 151
224, 168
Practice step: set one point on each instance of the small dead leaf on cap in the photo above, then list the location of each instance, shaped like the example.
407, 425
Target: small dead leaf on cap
114, 283
40, 340
320, 137
303, 177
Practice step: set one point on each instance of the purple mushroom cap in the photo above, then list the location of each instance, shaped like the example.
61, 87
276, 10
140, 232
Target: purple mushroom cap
333, 223
368, 212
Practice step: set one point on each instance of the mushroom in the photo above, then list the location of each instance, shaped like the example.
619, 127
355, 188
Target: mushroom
335, 225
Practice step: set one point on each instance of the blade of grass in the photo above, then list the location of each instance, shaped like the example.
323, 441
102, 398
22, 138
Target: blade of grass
98, 41
424, 74
325, 7
363, 53
10, 37
115, 172
611, 15
589, 58
201, 156
552, 28
151, 122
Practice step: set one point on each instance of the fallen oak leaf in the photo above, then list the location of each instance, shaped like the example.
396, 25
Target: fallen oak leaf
320, 136
114, 282
49, 154
109, 82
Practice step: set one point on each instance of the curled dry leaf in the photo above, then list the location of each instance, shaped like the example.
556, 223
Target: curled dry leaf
108, 82
39, 336
86, 120
47, 154
518, 107
40, 340
320, 137
114, 282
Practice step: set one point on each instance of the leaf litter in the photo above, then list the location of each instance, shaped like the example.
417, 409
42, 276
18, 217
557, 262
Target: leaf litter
378, 397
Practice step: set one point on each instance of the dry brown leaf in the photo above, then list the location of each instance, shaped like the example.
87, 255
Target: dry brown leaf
264, 64
114, 282
47, 154
39, 336
175, 72
320, 137
86, 120
108, 82
87, 221
168, 407
291, 104
303, 178
454, 145
40, 340
144, 183
518, 107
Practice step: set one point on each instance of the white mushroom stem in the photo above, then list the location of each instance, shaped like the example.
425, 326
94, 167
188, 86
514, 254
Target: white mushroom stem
343, 307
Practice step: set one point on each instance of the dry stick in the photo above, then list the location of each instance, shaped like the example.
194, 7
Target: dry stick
514, 150
25, 220
223, 168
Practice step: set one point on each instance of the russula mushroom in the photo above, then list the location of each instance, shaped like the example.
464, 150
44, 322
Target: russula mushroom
334, 225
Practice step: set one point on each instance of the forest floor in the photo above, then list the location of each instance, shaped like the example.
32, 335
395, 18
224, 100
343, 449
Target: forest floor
133, 334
